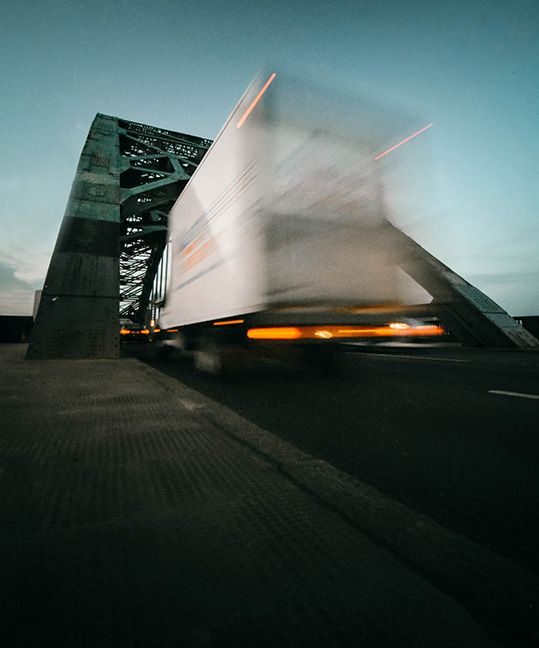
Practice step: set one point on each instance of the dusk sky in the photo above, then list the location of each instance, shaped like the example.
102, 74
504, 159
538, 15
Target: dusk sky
471, 68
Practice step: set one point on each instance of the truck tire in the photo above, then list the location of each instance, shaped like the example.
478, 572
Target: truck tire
219, 359
208, 361
163, 351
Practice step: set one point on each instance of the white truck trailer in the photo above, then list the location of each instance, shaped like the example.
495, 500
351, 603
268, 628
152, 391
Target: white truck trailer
278, 238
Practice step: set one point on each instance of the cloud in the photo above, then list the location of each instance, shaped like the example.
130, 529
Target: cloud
16, 294
27, 267
16, 302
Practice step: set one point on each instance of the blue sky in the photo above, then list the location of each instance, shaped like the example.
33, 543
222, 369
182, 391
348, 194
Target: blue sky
471, 68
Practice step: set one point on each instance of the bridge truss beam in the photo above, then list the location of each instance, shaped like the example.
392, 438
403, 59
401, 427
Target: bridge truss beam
112, 236
473, 317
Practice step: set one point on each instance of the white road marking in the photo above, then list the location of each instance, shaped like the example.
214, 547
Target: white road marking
413, 357
500, 392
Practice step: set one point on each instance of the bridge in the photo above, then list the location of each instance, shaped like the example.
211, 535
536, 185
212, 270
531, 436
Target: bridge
106, 262
391, 503
106, 259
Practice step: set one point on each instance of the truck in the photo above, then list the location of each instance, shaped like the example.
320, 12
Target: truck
277, 244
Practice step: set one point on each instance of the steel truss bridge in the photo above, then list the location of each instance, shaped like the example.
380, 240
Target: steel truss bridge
156, 164
106, 262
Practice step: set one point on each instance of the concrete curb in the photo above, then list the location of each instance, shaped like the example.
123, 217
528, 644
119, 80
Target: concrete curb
490, 586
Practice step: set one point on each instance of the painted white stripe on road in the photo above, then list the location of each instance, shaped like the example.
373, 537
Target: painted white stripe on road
500, 392
412, 357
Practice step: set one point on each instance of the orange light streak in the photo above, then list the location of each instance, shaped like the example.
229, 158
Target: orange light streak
359, 332
226, 322
313, 332
255, 100
125, 331
421, 130
274, 333
325, 335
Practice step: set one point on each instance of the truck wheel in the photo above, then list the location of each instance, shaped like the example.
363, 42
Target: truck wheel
163, 352
208, 361
217, 359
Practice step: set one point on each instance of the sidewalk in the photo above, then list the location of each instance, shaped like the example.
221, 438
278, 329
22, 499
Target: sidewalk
129, 519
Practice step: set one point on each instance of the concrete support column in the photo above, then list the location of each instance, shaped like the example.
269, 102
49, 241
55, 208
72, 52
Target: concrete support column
78, 313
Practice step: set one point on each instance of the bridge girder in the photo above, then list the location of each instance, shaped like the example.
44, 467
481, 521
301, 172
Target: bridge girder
156, 165
112, 236
473, 317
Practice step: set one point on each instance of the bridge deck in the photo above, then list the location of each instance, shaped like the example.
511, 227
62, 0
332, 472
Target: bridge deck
131, 519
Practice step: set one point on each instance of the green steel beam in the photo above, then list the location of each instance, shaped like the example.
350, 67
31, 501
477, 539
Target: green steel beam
159, 164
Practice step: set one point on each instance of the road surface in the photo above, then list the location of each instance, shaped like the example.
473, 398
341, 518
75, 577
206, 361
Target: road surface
451, 433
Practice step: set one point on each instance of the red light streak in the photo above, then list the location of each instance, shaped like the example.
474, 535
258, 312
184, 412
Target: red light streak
255, 100
421, 130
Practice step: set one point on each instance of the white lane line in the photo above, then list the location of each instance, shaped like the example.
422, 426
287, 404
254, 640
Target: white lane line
500, 392
413, 357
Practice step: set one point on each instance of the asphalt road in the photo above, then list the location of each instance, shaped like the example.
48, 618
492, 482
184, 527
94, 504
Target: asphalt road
426, 426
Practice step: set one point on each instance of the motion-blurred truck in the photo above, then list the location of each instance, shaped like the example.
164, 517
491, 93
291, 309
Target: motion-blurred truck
278, 240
